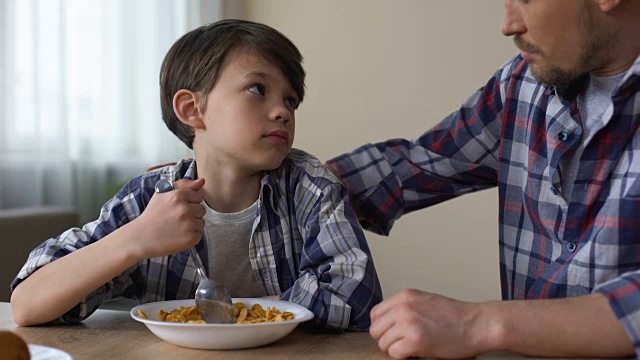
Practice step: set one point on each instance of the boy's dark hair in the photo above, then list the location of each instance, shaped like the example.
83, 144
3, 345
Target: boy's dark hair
194, 61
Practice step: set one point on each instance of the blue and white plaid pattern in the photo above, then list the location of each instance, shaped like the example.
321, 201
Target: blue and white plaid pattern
306, 246
512, 134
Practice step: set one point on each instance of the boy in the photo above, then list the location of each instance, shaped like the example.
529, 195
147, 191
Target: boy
266, 219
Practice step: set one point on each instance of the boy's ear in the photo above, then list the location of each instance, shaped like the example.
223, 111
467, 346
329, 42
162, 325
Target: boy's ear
186, 105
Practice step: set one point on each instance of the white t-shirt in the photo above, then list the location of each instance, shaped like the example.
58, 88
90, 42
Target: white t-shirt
593, 103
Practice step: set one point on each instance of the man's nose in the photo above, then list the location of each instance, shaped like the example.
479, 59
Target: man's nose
512, 23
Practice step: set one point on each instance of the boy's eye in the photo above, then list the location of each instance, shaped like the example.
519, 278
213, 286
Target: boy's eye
257, 89
292, 102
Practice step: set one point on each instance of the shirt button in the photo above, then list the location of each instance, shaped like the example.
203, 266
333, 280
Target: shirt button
553, 190
563, 135
571, 247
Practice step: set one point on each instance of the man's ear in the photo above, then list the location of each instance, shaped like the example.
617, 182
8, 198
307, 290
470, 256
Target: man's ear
608, 5
186, 105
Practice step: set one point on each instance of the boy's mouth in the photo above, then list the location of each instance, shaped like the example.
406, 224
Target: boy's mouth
279, 136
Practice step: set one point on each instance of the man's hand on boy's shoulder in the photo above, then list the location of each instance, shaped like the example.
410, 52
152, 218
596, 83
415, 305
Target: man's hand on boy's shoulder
331, 170
171, 222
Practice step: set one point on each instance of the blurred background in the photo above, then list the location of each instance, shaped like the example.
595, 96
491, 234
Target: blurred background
80, 116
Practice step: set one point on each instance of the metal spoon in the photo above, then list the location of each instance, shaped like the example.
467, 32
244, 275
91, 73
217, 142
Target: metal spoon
212, 300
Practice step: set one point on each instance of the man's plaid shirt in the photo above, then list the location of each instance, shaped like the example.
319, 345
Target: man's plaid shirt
512, 134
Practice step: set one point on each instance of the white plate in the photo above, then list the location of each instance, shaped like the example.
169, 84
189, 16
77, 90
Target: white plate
221, 336
41, 352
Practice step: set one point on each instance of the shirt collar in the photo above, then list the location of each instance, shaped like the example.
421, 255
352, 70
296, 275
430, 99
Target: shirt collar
192, 172
571, 91
265, 182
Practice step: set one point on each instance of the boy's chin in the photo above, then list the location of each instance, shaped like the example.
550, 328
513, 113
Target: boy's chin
273, 163
272, 166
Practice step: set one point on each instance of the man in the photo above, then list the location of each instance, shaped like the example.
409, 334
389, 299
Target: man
557, 130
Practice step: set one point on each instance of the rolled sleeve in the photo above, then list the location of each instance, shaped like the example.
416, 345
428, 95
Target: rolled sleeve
623, 294
115, 213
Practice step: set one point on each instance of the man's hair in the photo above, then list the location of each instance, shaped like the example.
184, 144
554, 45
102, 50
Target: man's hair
194, 62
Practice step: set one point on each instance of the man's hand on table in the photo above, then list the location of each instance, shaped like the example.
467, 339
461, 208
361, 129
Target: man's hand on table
414, 323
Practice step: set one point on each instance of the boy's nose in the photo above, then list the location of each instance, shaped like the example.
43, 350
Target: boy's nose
512, 23
280, 112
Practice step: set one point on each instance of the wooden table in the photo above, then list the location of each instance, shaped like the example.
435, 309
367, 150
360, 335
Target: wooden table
113, 334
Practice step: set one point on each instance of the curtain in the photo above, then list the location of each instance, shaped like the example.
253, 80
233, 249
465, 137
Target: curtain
79, 104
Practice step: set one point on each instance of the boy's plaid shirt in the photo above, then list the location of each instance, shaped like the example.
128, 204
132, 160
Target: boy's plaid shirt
306, 246
512, 134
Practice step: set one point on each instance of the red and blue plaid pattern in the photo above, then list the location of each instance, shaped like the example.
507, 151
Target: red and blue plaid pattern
306, 246
512, 134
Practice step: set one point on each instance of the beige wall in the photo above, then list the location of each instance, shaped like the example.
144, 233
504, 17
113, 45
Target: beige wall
389, 68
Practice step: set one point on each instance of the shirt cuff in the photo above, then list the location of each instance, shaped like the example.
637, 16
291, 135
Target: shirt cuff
623, 294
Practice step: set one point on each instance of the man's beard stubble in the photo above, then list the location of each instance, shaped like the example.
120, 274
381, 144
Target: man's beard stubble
594, 54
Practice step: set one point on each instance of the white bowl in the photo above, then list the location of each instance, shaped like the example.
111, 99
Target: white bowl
221, 336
